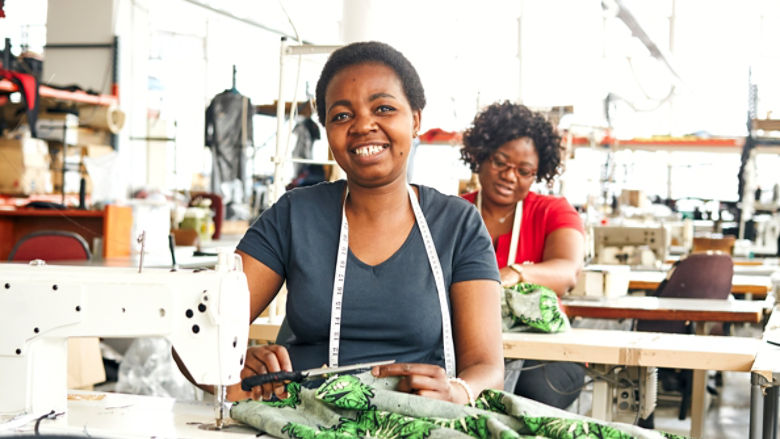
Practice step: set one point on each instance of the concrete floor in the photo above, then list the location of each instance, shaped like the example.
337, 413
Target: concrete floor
727, 418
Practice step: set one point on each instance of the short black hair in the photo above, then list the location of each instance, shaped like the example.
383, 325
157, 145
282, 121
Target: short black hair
505, 121
365, 52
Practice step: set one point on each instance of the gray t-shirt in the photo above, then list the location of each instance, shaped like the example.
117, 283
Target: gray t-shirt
390, 310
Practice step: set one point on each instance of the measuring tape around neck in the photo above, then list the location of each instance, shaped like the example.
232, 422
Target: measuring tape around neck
515, 228
341, 269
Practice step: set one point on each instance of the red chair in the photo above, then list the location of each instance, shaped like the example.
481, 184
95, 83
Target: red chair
51, 245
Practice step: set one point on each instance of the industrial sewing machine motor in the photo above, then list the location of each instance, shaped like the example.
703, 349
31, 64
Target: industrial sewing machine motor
204, 314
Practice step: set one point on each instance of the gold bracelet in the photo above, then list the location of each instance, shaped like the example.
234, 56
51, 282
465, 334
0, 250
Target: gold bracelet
466, 387
518, 269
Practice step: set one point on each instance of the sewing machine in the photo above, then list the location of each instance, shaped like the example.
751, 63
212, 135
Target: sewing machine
203, 313
627, 245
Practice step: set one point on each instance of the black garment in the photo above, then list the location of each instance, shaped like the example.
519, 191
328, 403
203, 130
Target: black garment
224, 117
558, 383
306, 132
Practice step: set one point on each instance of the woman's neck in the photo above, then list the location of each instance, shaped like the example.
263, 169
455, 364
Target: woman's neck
376, 202
497, 212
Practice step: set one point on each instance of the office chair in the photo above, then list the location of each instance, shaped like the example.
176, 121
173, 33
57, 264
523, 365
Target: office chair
51, 245
698, 276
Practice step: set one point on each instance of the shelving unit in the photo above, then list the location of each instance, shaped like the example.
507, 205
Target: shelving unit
50, 97
46, 92
280, 158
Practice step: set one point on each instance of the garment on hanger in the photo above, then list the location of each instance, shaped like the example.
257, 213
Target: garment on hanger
228, 134
306, 174
28, 88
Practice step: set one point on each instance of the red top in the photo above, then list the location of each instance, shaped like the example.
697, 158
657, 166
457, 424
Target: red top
546, 213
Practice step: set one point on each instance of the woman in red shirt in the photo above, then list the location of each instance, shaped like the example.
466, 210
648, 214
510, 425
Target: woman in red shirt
537, 238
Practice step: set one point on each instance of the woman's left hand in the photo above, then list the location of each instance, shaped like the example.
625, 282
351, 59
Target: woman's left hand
509, 277
421, 379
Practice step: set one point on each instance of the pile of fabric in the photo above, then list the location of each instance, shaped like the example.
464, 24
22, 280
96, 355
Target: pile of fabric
360, 406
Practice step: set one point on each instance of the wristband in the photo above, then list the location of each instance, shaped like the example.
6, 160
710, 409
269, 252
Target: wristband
466, 387
518, 269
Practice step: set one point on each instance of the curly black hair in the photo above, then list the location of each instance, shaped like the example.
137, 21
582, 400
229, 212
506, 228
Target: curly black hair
371, 51
502, 122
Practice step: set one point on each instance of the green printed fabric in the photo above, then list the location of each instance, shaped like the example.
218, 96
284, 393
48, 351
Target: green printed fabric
532, 307
361, 406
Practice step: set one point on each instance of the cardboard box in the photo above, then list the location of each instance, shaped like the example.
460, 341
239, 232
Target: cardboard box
633, 197
75, 161
91, 136
85, 363
24, 166
602, 281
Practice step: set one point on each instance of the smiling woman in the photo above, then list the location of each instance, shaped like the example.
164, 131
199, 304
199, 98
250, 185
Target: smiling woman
399, 272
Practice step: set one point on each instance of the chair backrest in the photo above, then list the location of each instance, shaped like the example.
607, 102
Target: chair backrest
698, 276
51, 245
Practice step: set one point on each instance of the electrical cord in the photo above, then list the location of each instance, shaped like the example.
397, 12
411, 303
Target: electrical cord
50, 415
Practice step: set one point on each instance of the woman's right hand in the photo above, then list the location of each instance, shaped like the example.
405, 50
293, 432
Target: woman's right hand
260, 360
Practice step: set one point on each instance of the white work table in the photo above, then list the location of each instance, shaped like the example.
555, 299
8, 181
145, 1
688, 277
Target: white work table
116, 415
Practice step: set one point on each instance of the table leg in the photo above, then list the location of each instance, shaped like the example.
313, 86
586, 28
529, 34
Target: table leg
602, 401
770, 413
698, 401
699, 391
756, 406
602, 396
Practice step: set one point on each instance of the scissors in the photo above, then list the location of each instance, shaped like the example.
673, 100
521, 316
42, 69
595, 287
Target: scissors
300, 375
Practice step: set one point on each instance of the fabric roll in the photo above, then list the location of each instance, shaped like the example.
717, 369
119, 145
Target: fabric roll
104, 117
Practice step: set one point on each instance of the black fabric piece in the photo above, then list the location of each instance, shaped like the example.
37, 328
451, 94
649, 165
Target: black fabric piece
73, 87
306, 133
224, 136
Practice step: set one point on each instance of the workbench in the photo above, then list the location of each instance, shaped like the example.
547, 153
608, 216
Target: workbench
664, 308
112, 224
110, 415
603, 346
754, 285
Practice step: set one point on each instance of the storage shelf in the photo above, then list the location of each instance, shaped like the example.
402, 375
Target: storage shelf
720, 144
63, 95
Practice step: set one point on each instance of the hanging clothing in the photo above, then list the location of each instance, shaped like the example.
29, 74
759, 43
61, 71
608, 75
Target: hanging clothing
228, 134
306, 132
28, 88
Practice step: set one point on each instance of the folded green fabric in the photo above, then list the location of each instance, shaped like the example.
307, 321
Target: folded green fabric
361, 406
532, 307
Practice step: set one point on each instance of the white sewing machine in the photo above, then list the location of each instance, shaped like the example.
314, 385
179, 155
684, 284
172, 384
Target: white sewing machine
204, 314
627, 245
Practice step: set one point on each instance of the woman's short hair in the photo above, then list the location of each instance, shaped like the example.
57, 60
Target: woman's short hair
366, 52
502, 122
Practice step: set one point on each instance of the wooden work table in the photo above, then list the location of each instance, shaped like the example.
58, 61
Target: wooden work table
757, 286
112, 224
658, 308
603, 346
